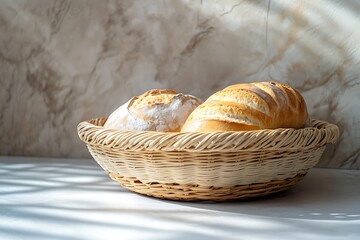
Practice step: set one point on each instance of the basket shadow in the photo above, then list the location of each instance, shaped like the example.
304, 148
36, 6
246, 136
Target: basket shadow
319, 196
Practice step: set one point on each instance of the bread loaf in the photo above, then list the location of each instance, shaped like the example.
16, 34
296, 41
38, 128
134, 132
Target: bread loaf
156, 110
252, 106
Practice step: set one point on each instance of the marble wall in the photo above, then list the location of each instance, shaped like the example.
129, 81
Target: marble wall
62, 62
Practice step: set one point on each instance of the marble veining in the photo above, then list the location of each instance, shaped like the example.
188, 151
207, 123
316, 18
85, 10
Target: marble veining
62, 62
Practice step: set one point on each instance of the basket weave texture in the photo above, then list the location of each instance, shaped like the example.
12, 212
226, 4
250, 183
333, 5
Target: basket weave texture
215, 166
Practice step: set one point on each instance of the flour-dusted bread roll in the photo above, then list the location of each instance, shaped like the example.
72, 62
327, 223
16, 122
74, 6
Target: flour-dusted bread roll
156, 110
252, 106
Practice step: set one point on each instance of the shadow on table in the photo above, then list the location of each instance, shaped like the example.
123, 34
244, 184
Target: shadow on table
29, 191
320, 196
35, 177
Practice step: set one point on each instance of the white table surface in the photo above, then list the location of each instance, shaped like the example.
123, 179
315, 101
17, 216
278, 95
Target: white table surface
44, 198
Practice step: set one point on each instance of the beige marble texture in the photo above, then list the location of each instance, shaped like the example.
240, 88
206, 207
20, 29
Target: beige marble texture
62, 62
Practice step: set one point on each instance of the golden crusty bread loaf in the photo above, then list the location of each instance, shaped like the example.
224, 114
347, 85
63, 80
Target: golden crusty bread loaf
249, 106
159, 110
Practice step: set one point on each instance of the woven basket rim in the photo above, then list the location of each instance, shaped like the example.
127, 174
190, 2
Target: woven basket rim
319, 134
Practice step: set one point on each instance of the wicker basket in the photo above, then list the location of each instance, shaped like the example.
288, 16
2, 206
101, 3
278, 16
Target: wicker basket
207, 166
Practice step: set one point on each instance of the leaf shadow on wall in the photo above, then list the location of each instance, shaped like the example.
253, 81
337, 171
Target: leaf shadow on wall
303, 45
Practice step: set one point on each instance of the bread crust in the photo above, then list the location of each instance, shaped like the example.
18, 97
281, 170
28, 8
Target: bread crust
160, 110
250, 106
